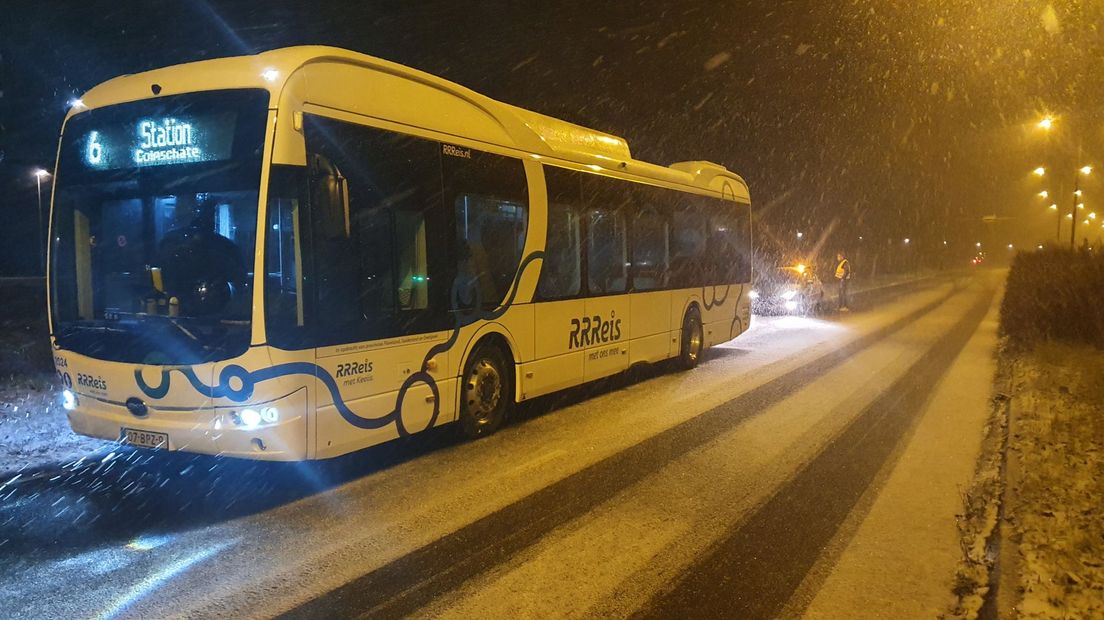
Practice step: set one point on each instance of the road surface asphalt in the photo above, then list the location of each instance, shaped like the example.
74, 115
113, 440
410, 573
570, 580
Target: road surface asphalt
762, 483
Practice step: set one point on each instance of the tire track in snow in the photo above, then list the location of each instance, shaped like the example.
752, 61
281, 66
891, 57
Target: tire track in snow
410, 582
753, 571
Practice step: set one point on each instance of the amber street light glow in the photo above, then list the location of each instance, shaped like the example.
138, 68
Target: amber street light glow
1077, 193
1044, 194
1046, 123
1040, 171
1086, 169
1053, 207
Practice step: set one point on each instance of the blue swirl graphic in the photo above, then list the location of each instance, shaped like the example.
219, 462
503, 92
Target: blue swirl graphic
236, 383
714, 302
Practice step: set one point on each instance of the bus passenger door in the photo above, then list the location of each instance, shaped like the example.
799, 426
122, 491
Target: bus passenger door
603, 332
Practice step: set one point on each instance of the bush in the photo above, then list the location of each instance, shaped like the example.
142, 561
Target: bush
1054, 295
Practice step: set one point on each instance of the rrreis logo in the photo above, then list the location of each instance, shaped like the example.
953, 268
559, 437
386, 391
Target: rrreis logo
354, 368
354, 372
455, 151
593, 330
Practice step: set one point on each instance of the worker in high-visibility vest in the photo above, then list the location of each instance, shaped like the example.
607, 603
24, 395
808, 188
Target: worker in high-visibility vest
843, 276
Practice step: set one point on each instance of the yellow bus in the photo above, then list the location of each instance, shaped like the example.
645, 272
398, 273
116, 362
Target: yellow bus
305, 252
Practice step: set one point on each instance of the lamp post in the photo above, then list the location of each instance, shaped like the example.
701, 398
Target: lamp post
1084, 170
40, 174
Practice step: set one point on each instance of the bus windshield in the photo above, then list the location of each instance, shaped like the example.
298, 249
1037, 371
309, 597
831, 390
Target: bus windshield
154, 228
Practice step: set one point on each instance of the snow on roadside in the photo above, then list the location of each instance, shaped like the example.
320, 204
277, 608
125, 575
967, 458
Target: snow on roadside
1057, 439
1049, 408
34, 431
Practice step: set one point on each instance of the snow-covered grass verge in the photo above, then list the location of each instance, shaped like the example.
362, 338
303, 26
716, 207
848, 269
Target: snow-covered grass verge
1056, 490
34, 432
1051, 535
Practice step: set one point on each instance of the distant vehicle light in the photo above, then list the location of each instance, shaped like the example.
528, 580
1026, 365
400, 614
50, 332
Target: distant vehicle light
68, 400
249, 418
753, 295
788, 295
791, 305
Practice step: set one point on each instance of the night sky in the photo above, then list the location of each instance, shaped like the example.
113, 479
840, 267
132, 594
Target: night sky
859, 117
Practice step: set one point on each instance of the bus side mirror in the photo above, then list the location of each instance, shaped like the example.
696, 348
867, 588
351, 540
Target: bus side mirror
329, 197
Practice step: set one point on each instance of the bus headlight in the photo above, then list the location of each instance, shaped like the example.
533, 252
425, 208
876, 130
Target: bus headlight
788, 295
753, 295
249, 418
68, 400
270, 415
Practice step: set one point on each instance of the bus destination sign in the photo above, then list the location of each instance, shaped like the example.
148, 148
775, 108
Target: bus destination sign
159, 141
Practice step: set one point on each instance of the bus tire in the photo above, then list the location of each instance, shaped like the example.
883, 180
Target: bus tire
486, 391
692, 340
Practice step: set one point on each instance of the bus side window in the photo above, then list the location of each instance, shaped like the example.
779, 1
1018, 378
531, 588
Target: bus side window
649, 248
606, 252
607, 256
690, 266
489, 197
561, 270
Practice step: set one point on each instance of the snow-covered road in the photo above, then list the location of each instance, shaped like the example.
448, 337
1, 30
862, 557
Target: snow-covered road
812, 466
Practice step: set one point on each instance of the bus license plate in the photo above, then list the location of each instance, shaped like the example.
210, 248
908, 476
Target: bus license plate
145, 439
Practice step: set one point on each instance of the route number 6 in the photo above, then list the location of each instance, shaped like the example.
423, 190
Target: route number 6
94, 153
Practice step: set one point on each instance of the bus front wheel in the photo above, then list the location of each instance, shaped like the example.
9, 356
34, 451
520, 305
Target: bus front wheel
486, 392
693, 339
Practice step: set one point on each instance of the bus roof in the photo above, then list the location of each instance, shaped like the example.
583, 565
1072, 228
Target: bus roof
530, 131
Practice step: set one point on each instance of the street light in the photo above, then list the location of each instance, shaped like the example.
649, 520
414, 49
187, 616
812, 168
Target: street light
40, 174
1040, 171
1046, 123
1085, 170
800, 235
1044, 194
1053, 207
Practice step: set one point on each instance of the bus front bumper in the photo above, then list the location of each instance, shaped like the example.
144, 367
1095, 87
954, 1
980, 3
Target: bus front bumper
225, 431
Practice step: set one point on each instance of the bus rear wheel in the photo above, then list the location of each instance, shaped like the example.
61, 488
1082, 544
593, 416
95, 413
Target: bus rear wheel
486, 392
693, 339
